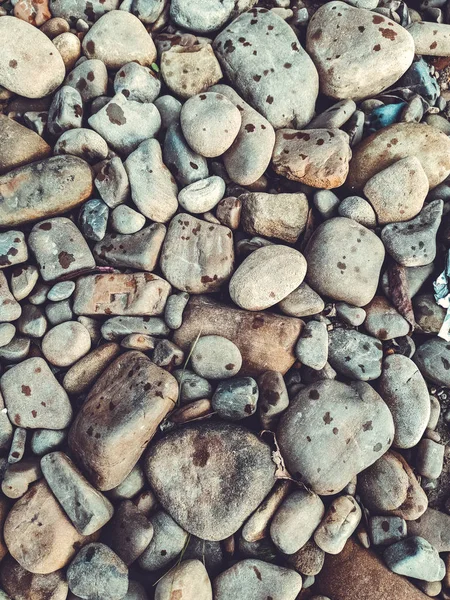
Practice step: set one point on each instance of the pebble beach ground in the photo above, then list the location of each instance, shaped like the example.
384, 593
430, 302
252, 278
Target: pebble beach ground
224, 300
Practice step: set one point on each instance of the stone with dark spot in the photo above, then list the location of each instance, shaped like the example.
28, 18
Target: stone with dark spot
235, 399
119, 417
137, 83
317, 157
124, 123
117, 38
265, 340
253, 51
33, 396
330, 460
258, 580
433, 359
129, 533
354, 354
430, 39
26, 52
13, 248
167, 542
401, 140
210, 477
344, 261
358, 54
66, 111
97, 572
383, 321
60, 249
90, 77
82, 142
43, 189
197, 256
89, 11
38, 534
186, 165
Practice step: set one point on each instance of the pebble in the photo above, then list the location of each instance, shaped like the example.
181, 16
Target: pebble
428, 315
7, 332
16, 350
84, 143
137, 250
257, 579
139, 532
97, 572
153, 189
415, 557
195, 16
138, 341
327, 413
377, 152
137, 83
18, 443
327, 203
23, 585
383, 321
38, 534
111, 294
221, 122
197, 256
316, 157
118, 38
66, 111
340, 521
59, 312
69, 47
18, 68
354, 354
47, 440
44, 189
397, 193
380, 53
387, 530
90, 78
308, 560
33, 396
215, 357
257, 526
390, 485
281, 216
433, 526
87, 508
419, 80
273, 398
167, 542
93, 219
32, 321
235, 399
55, 343
20, 145
126, 220
186, 165
265, 340
133, 483
430, 39
61, 291
173, 312
19, 476
124, 123
352, 315
358, 209
334, 271
430, 458
267, 276
188, 71
203, 195
312, 345
127, 411
192, 386
76, 9
189, 579
167, 354
117, 328
169, 108
249, 155
112, 182
334, 117
269, 67
405, 392
413, 244
302, 302
210, 458
23, 279
13, 248
295, 521
433, 359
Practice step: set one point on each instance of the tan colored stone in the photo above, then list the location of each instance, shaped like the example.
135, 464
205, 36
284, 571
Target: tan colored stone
121, 294
189, 70
316, 157
82, 374
434, 526
358, 574
431, 39
20, 145
120, 416
44, 189
38, 533
392, 143
266, 340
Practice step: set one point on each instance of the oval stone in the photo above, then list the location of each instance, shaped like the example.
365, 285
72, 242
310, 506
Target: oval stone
392, 143
30, 65
332, 431
267, 276
210, 477
44, 189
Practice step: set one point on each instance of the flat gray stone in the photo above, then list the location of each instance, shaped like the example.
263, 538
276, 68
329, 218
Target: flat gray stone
354, 354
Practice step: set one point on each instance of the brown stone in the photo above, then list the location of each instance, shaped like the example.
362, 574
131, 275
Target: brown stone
83, 373
357, 574
433, 526
120, 416
266, 340
121, 294
19, 145
38, 533
23, 585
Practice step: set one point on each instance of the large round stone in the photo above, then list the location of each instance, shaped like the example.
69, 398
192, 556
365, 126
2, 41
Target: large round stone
210, 477
332, 431
344, 261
